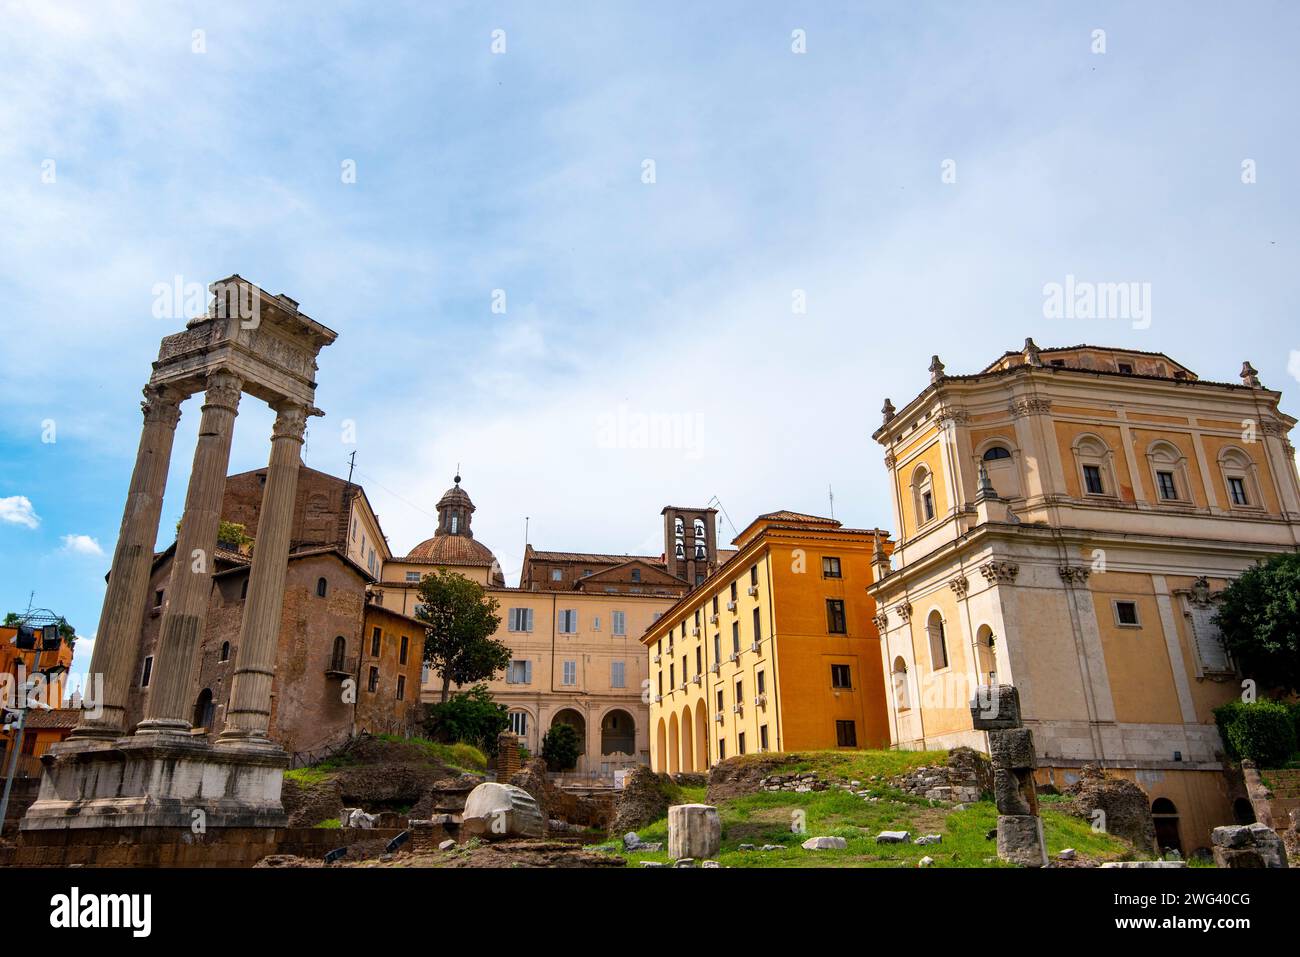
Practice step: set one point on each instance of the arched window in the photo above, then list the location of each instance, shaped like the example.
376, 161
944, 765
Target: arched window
923, 495
322, 586
680, 550
995, 452
339, 654
205, 710
984, 641
1239, 478
455, 524
1092, 457
225, 651
1169, 472
999, 459
902, 696
938, 641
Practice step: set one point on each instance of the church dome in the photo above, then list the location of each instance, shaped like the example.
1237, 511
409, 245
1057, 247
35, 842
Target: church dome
453, 543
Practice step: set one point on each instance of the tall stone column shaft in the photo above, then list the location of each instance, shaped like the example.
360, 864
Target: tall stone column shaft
249, 713
190, 586
117, 640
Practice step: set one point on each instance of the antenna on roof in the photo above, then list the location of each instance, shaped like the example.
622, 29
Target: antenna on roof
718, 502
831, 493
352, 463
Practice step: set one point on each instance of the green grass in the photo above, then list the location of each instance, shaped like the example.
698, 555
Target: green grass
329, 824
461, 757
767, 817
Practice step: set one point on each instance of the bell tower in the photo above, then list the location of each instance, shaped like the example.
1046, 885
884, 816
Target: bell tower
690, 542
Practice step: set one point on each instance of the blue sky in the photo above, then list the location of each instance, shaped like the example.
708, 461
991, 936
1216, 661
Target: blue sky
522, 171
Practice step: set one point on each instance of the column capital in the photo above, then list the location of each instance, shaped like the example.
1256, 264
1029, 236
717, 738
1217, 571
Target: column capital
161, 404
290, 420
224, 389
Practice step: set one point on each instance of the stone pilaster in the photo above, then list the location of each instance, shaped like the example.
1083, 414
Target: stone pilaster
249, 713
118, 637
191, 580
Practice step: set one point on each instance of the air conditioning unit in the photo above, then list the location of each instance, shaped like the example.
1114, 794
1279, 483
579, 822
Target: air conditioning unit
760, 701
752, 591
658, 698
714, 667
738, 708
656, 658
735, 656
695, 631
718, 717
755, 646
682, 687
731, 606
698, 680
713, 619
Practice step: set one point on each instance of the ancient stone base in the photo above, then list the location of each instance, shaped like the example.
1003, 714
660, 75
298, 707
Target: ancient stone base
497, 811
1020, 840
171, 783
1248, 846
694, 831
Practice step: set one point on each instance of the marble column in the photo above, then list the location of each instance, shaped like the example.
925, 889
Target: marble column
117, 641
248, 715
189, 589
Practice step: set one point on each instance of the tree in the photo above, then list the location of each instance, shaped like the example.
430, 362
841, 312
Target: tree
560, 747
1259, 616
471, 717
460, 621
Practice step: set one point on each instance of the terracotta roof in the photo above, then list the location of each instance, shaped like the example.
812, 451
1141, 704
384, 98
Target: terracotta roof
54, 718
451, 550
594, 558
785, 515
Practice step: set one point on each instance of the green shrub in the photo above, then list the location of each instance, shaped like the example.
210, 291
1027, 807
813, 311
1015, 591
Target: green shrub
560, 747
1263, 731
471, 717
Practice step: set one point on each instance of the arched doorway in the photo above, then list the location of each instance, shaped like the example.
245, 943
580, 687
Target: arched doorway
661, 747
576, 721
1165, 815
674, 745
688, 740
985, 655
618, 733
701, 738
205, 710
1243, 812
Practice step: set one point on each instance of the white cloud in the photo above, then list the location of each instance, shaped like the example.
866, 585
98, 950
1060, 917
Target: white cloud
17, 510
81, 545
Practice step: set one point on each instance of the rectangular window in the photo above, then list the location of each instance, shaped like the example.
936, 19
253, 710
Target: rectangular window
721, 695
672, 677
699, 658
617, 678
413, 577
841, 677
740, 691
1126, 613
722, 749
401, 655
846, 734
1092, 480
1126, 368
717, 648
758, 627
570, 673
595, 622
733, 591
1168, 490
520, 619
762, 738
401, 687
659, 677
556, 575
761, 680
1237, 489
735, 637
519, 722
831, 568
835, 622
619, 621
520, 672
375, 637
372, 684
144, 675
740, 743
927, 505
715, 604
568, 624
753, 574
157, 598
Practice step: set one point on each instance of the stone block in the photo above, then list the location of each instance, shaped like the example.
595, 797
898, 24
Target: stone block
995, 708
694, 831
1012, 748
497, 811
825, 844
1009, 794
893, 837
1020, 840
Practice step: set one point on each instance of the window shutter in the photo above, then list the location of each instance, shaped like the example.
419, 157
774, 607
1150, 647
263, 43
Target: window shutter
528, 619
528, 672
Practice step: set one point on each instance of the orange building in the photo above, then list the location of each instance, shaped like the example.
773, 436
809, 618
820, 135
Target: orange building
41, 727
776, 650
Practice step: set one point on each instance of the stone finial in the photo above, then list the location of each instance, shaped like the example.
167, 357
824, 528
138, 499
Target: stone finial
888, 410
936, 369
1250, 376
984, 488
878, 556
1032, 356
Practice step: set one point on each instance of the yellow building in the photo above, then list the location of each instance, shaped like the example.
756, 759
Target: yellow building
775, 651
1067, 518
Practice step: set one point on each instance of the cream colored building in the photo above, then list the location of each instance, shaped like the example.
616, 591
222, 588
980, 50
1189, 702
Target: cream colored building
1067, 518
